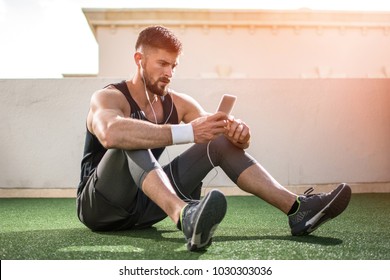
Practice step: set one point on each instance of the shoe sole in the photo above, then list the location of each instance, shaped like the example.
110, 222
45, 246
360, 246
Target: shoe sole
211, 214
334, 208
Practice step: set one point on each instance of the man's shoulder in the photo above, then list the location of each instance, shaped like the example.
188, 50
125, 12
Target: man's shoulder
183, 97
109, 97
188, 108
108, 91
179, 96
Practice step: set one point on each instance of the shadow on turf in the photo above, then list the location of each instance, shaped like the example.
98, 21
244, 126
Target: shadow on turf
308, 239
146, 244
81, 244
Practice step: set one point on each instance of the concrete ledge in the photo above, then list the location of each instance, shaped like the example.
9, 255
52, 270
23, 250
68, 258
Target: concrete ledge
229, 191
300, 189
37, 193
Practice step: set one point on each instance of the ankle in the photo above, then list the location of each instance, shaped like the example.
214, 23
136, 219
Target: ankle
295, 207
180, 218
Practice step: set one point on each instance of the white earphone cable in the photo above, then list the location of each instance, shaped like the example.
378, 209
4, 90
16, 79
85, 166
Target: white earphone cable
169, 159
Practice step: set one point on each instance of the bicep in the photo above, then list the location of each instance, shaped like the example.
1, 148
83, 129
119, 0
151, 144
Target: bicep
188, 108
104, 111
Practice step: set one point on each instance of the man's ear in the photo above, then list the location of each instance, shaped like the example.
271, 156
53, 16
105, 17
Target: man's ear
138, 58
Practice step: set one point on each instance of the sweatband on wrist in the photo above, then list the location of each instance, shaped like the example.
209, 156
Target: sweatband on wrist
182, 133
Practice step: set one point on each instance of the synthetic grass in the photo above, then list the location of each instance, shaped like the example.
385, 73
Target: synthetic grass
49, 229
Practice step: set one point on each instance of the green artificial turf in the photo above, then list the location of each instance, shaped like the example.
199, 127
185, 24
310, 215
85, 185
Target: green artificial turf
49, 229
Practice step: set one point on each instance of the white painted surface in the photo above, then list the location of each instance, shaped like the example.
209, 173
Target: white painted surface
304, 131
252, 43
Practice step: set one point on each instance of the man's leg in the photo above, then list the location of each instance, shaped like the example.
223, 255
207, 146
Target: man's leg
305, 212
122, 174
193, 165
256, 180
159, 189
122, 180
113, 198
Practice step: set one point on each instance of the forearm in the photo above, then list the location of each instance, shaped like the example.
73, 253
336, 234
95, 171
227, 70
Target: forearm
130, 134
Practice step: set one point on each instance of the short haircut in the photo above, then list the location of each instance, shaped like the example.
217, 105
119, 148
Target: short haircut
158, 37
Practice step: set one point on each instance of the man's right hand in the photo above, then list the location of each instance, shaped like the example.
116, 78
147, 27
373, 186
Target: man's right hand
208, 128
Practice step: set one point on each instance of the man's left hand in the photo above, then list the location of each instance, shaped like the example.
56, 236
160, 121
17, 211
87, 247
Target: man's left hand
238, 133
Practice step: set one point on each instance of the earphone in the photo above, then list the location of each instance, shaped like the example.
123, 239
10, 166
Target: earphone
147, 94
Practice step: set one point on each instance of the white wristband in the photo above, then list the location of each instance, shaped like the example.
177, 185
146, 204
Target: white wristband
182, 133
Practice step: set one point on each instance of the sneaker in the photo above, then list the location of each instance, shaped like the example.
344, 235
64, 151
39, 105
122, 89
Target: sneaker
200, 219
316, 209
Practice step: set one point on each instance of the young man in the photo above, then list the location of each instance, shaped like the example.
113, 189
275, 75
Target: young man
129, 124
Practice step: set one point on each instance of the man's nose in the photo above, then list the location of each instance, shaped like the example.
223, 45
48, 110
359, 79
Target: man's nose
169, 71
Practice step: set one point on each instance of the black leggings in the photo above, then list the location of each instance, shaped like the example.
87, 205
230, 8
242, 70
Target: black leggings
116, 186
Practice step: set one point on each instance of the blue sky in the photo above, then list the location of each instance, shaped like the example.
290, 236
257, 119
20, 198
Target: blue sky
47, 38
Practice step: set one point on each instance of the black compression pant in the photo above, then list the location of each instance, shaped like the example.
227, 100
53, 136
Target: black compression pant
113, 197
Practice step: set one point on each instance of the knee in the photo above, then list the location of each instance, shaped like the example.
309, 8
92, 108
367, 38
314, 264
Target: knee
143, 159
222, 144
222, 149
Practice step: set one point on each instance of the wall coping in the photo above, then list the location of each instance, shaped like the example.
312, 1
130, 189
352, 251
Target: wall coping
251, 19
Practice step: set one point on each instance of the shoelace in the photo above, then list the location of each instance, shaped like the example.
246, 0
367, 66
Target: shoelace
191, 201
309, 191
188, 209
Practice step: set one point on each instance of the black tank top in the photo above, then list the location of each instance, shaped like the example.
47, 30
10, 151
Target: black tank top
94, 151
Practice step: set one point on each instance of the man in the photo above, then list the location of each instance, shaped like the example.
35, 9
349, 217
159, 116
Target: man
128, 126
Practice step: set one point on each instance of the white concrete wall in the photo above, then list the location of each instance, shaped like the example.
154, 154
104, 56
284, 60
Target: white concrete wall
304, 131
263, 53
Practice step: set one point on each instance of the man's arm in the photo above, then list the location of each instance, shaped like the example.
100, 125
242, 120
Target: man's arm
205, 126
108, 122
204, 123
238, 133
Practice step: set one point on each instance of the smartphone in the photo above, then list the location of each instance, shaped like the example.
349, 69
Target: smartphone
227, 103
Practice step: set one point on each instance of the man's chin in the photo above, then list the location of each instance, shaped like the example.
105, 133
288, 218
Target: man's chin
163, 90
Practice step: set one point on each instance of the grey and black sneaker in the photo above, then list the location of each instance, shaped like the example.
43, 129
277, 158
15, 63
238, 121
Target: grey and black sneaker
316, 209
199, 219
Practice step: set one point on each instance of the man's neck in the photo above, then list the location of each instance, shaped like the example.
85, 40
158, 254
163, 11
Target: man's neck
139, 93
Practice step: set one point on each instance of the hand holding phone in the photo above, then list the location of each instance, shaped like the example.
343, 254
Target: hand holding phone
227, 103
